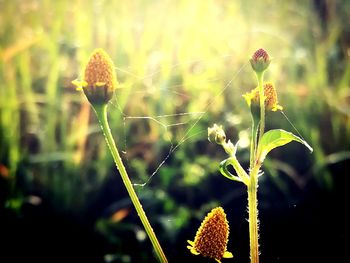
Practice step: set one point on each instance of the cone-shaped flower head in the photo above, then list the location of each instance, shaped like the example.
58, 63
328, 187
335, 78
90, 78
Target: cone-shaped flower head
212, 236
260, 60
99, 80
271, 102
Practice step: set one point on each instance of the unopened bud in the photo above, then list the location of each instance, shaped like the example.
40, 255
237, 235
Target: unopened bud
260, 60
216, 134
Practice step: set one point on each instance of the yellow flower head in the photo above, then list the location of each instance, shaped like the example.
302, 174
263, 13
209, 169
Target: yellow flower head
99, 79
212, 236
271, 102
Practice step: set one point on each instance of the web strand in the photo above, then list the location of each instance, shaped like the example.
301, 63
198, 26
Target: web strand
293, 126
159, 118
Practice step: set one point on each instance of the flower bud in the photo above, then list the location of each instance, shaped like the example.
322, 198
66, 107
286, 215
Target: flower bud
216, 134
260, 60
99, 80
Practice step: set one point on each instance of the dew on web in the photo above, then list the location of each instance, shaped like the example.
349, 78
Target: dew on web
176, 127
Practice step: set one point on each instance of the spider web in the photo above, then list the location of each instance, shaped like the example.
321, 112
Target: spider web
164, 120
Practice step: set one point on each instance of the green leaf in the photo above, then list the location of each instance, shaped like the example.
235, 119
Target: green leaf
225, 172
276, 138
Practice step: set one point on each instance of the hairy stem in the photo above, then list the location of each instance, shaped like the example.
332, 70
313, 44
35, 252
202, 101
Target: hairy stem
260, 77
101, 112
253, 140
253, 214
252, 146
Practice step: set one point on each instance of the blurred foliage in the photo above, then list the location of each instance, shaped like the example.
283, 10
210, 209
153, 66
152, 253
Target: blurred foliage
172, 57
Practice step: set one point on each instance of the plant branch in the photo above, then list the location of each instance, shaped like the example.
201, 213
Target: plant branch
101, 112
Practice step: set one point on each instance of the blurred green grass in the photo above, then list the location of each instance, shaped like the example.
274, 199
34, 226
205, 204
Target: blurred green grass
172, 57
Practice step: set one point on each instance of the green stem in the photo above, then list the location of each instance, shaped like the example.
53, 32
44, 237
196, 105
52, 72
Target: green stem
101, 112
239, 169
252, 146
241, 176
253, 214
260, 77
253, 140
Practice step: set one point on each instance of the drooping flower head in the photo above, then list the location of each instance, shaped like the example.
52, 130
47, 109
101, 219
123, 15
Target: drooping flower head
271, 102
260, 60
99, 78
212, 236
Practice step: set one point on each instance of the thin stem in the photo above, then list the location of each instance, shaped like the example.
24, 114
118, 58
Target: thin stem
253, 214
260, 77
101, 112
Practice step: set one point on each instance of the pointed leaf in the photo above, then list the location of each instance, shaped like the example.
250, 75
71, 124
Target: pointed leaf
276, 138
